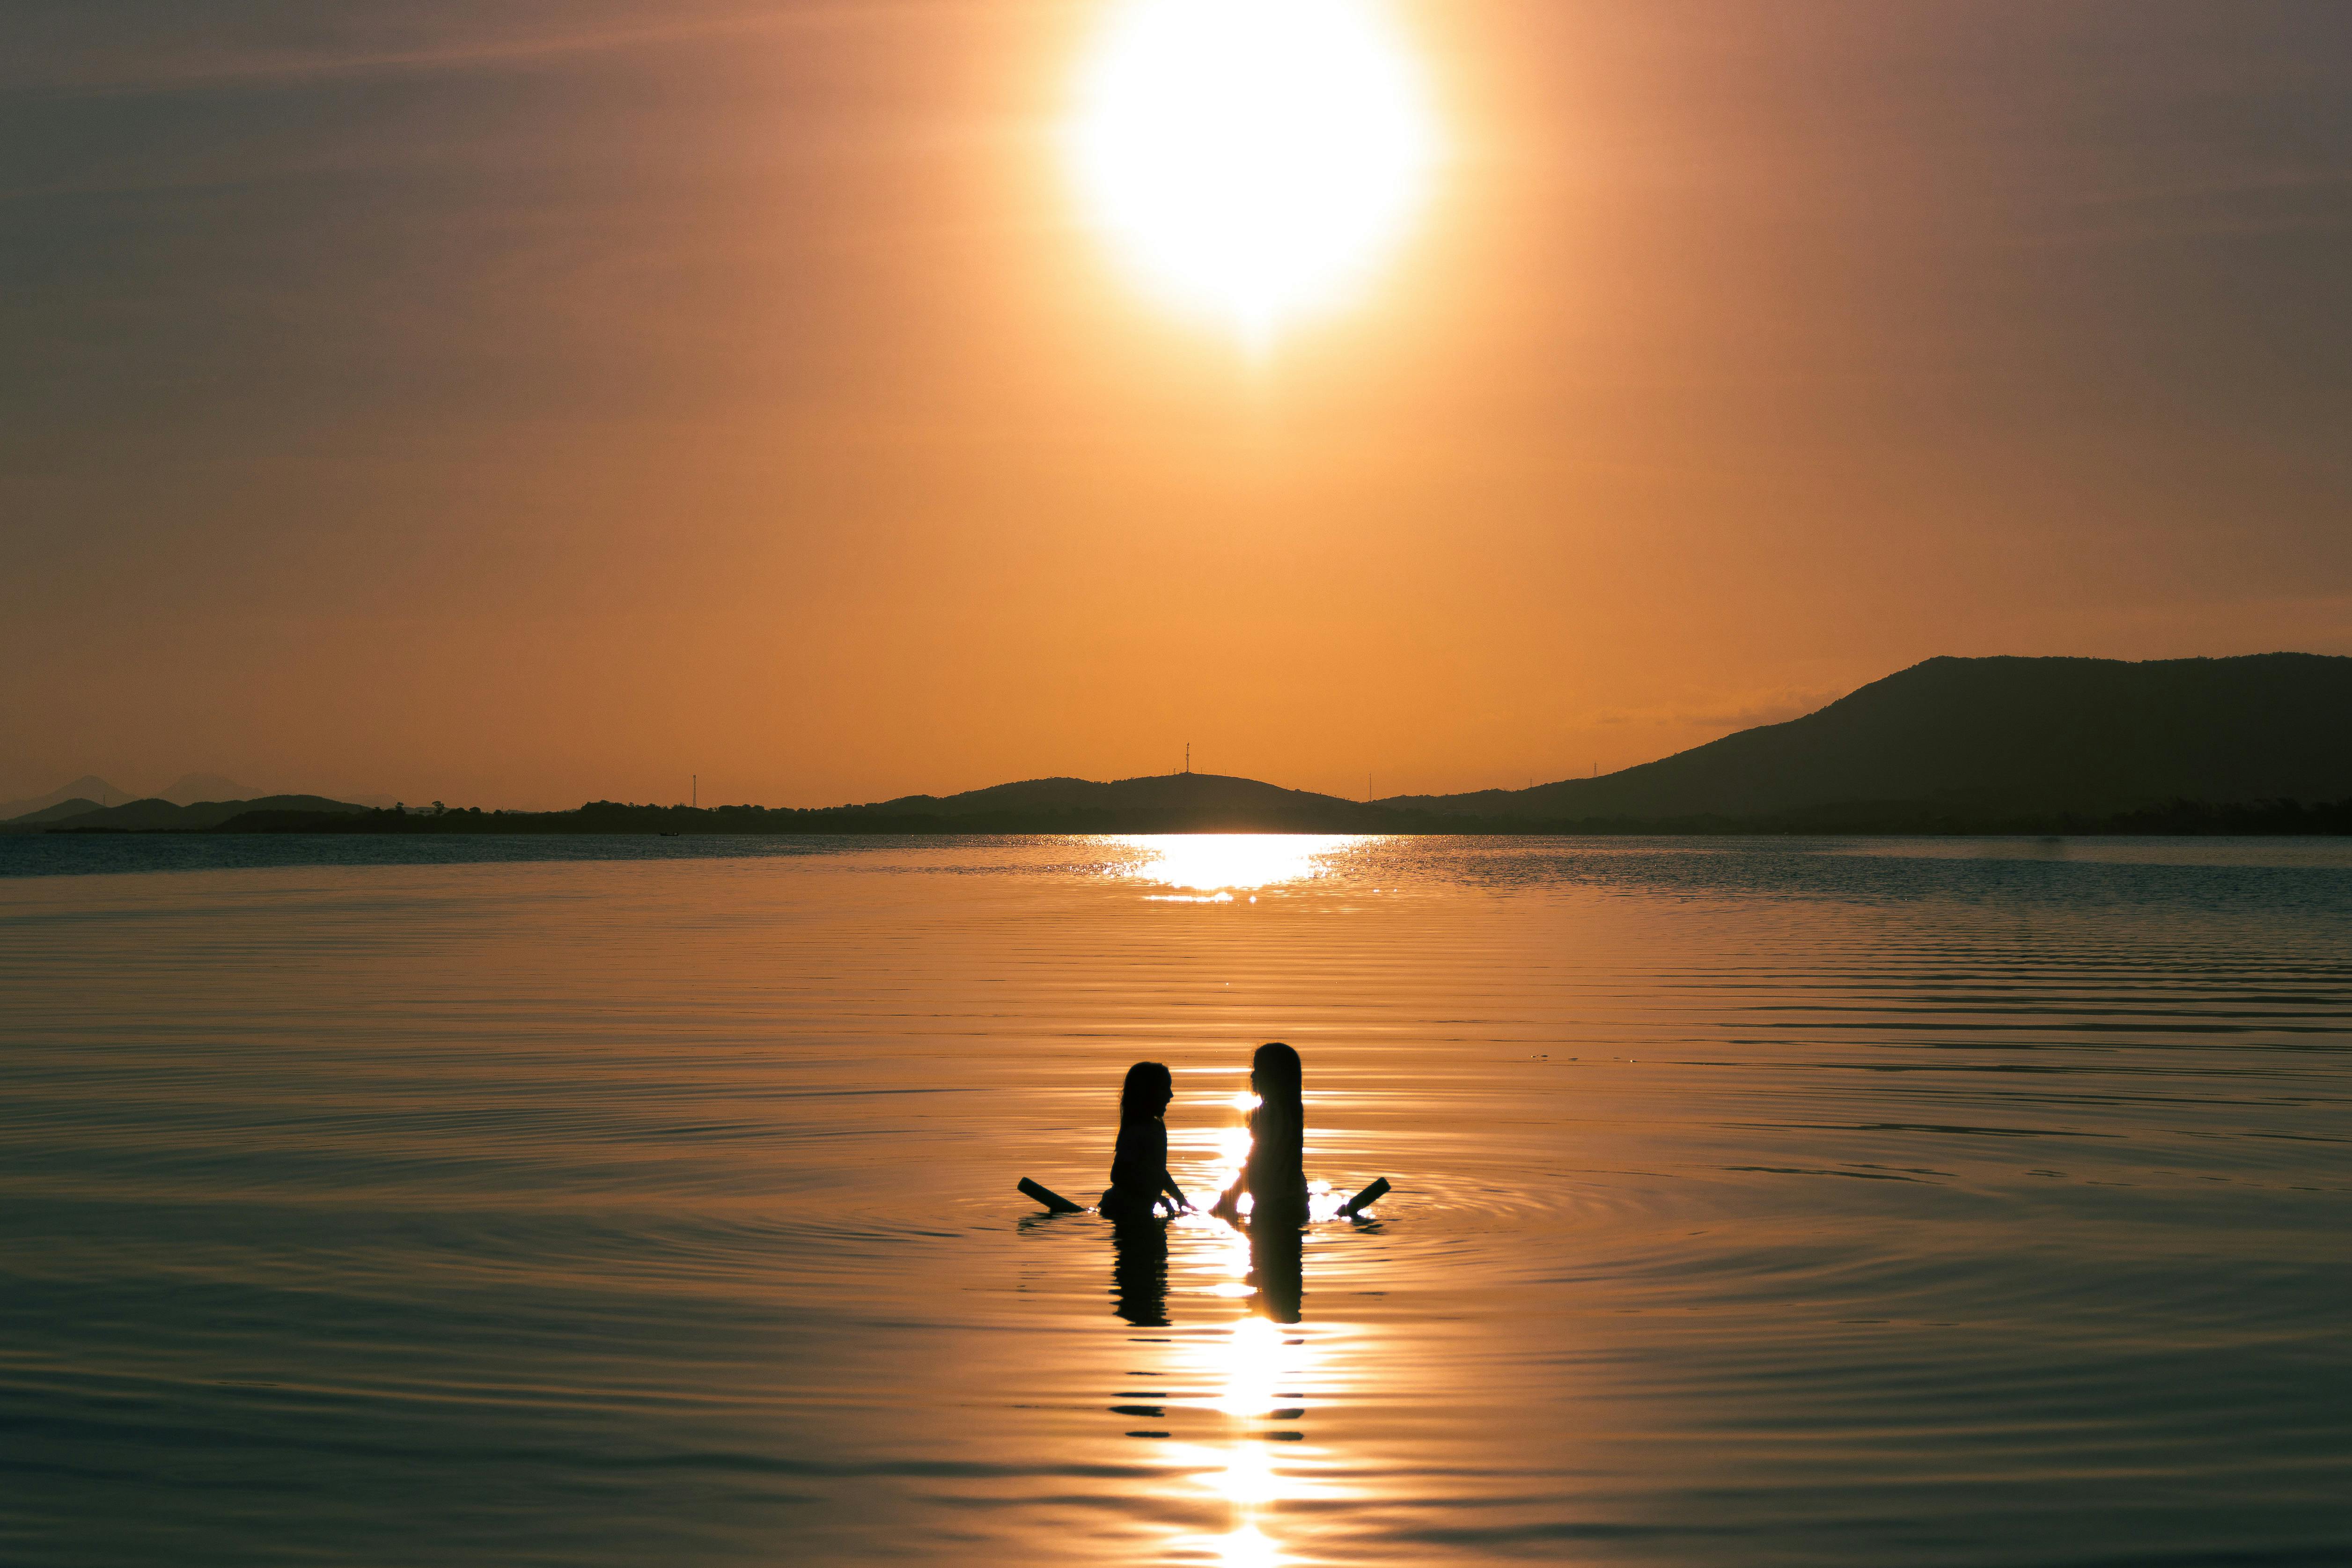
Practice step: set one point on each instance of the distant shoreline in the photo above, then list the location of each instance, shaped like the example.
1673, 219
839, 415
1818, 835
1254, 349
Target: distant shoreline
2250, 745
2176, 818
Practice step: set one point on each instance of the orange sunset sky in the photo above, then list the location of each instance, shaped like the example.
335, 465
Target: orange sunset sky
518, 404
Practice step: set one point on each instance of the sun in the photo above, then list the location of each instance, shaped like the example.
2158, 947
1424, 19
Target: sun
1255, 159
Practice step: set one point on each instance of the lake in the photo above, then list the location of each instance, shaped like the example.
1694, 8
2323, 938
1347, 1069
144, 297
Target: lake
631, 1201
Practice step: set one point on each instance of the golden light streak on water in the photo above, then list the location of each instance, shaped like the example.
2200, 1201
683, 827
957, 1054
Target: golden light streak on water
1267, 1373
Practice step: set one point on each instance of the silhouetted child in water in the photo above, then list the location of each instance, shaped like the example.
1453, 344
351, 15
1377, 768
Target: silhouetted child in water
1138, 1167
1276, 1174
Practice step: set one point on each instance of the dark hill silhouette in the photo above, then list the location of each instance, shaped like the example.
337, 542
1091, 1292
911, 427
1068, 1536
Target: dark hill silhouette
38, 821
1195, 802
89, 788
1989, 737
155, 814
1170, 802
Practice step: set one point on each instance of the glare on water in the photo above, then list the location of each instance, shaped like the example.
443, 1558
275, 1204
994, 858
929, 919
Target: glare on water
1230, 863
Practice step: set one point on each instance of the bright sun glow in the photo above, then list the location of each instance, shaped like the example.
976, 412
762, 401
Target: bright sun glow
1255, 158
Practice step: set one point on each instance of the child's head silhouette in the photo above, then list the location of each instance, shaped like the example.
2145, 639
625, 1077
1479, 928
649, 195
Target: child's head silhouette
1146, 1093
1274, 1074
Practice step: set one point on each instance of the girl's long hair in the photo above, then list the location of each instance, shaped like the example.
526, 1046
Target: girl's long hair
1140, 1097
1274, 1073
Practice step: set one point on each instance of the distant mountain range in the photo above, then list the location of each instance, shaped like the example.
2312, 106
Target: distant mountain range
158, 815
88, 792
191, 789
2250, 744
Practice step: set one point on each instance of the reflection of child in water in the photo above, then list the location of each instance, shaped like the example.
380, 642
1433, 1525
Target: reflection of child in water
1138, 1167
1276, 1176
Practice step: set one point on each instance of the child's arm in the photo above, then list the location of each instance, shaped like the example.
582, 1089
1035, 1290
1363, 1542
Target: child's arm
1228, 1204
1168, 1184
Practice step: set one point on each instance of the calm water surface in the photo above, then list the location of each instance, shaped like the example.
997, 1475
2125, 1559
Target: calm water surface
1837, 1202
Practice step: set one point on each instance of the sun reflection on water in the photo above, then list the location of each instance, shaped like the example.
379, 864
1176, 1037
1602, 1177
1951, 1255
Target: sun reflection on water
1250, 1364
1264, 1372
1249, 1548
1215, 867
1261, 1374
